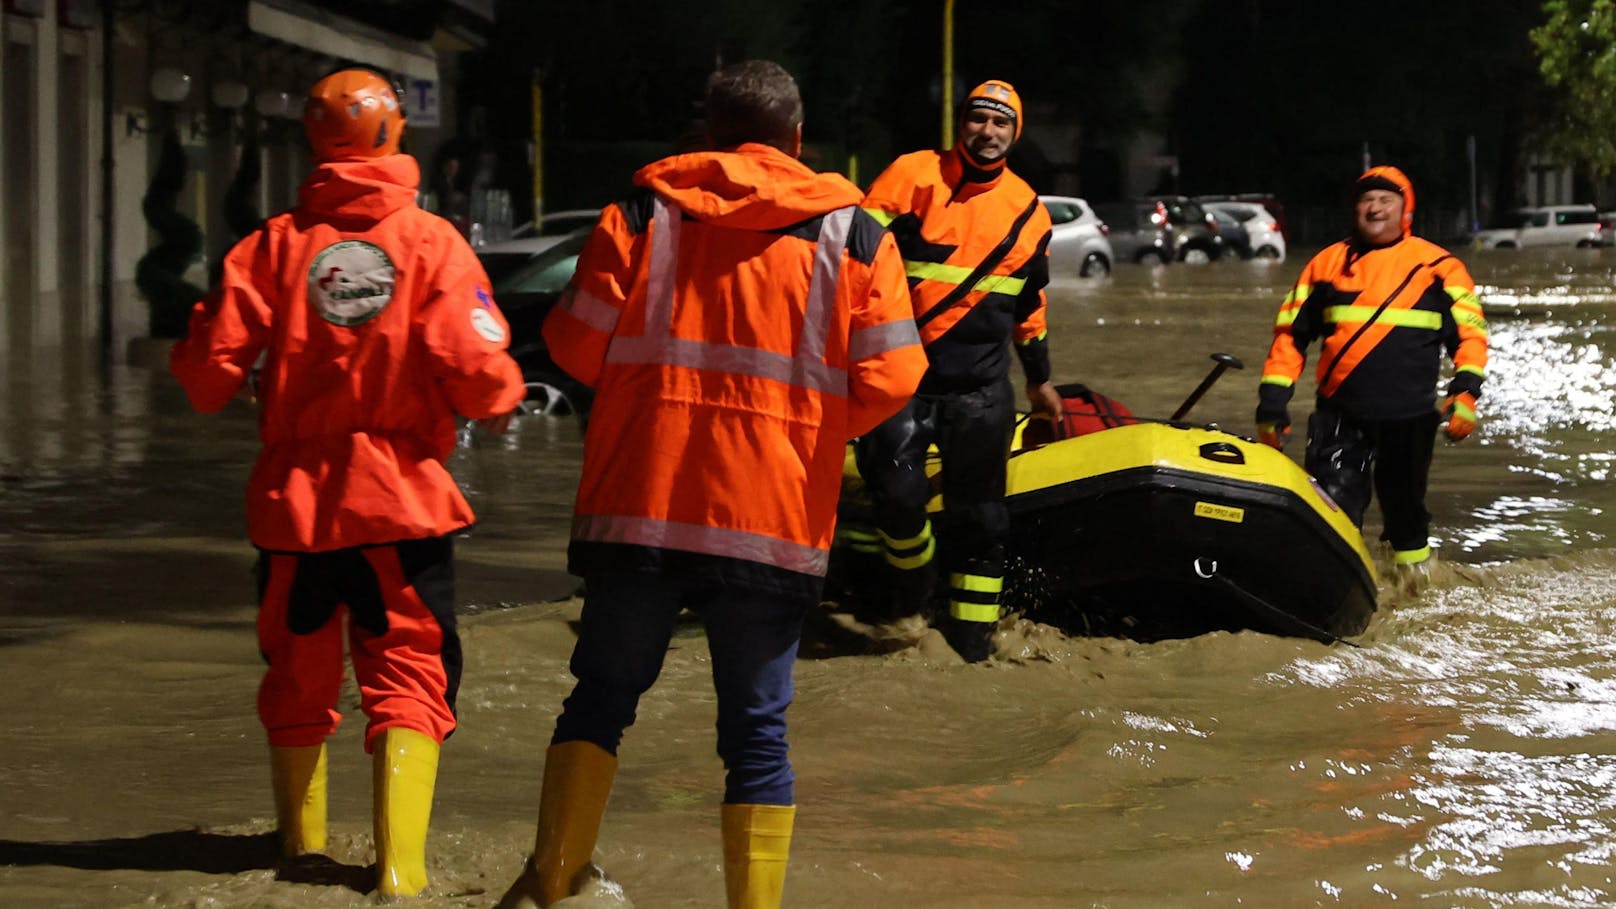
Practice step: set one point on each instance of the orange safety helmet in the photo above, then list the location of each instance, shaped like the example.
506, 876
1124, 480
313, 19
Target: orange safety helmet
995, 95
1387, 177
353, 113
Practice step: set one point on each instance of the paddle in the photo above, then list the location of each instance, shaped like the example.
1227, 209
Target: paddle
1224, 361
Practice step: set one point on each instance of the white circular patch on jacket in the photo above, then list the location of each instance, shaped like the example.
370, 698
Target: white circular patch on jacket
350, 282
486, 325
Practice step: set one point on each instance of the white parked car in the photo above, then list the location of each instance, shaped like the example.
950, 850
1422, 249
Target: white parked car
1546, 225
1267, 240
1078, 244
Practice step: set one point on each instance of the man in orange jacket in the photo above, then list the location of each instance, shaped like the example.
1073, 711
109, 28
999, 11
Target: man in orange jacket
974, 240
740, 319
1386, 304
375, 327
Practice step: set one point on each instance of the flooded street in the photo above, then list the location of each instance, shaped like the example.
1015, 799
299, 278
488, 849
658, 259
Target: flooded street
1463, 756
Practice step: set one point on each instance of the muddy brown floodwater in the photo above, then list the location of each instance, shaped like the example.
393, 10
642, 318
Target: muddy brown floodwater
1461, 757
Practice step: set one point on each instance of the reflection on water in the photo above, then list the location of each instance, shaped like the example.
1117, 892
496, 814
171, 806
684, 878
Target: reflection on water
1462, 756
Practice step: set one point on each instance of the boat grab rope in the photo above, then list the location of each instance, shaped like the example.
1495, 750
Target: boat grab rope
1266, 609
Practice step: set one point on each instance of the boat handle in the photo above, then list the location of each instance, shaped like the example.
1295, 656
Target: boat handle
1226, 452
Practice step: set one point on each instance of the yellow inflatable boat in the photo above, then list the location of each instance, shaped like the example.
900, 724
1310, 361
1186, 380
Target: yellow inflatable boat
1160, 529
1163, 529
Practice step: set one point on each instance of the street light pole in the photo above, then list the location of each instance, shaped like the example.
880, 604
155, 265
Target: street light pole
948, 74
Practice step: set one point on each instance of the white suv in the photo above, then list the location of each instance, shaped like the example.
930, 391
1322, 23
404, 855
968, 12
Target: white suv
1548, 225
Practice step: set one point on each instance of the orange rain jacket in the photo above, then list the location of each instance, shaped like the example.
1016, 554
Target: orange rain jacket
1385, 315
974, 246
377, 327
740, 320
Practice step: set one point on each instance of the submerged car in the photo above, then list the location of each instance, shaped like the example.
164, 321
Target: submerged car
1545, 225
1266, 238
1078, 239
1195, 233
526, 294
502, 257
1138, 231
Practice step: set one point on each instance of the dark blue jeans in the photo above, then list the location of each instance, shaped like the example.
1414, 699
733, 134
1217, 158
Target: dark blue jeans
627, 622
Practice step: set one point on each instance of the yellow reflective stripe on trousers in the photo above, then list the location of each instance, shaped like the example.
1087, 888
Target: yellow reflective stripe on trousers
806, 368
954, 274
911, 552
859, 540
1402, 318
973, 612
718, 541
975, 583
975, 597
1411, 556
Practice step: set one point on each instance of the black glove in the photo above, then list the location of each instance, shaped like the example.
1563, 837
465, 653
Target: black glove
1273, 414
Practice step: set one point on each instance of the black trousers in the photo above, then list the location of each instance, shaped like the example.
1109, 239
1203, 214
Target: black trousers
972, 434
1347, 454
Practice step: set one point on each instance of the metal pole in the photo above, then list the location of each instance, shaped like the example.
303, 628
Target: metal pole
538, 149
108, 85
948, 74
1470, 153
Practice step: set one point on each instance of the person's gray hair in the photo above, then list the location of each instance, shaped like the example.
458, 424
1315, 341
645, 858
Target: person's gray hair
753, 101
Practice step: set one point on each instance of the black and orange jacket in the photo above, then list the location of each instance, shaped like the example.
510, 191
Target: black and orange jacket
740, 320
975, 248
377, 326
1385, 316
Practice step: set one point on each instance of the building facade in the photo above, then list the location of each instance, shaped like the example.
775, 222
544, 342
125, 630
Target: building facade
140, 140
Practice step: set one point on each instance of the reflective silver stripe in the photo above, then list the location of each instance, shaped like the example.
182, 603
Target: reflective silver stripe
807, 368
878, 339
589, 309
717, 541
664, 269
822, 286
746, 361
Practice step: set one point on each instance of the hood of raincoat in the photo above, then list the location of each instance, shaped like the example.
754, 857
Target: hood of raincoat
1389, 178
367, 189
750, 187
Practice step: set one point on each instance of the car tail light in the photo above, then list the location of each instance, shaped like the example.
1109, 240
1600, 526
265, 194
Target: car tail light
1105, 229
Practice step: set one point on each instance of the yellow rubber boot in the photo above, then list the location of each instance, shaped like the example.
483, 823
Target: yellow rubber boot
577, 781
757, 842
405, 769
298, 777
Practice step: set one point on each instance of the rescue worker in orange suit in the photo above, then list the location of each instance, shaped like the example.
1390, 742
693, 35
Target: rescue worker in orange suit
974, 239
740, 319
1385, 304
375, 326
